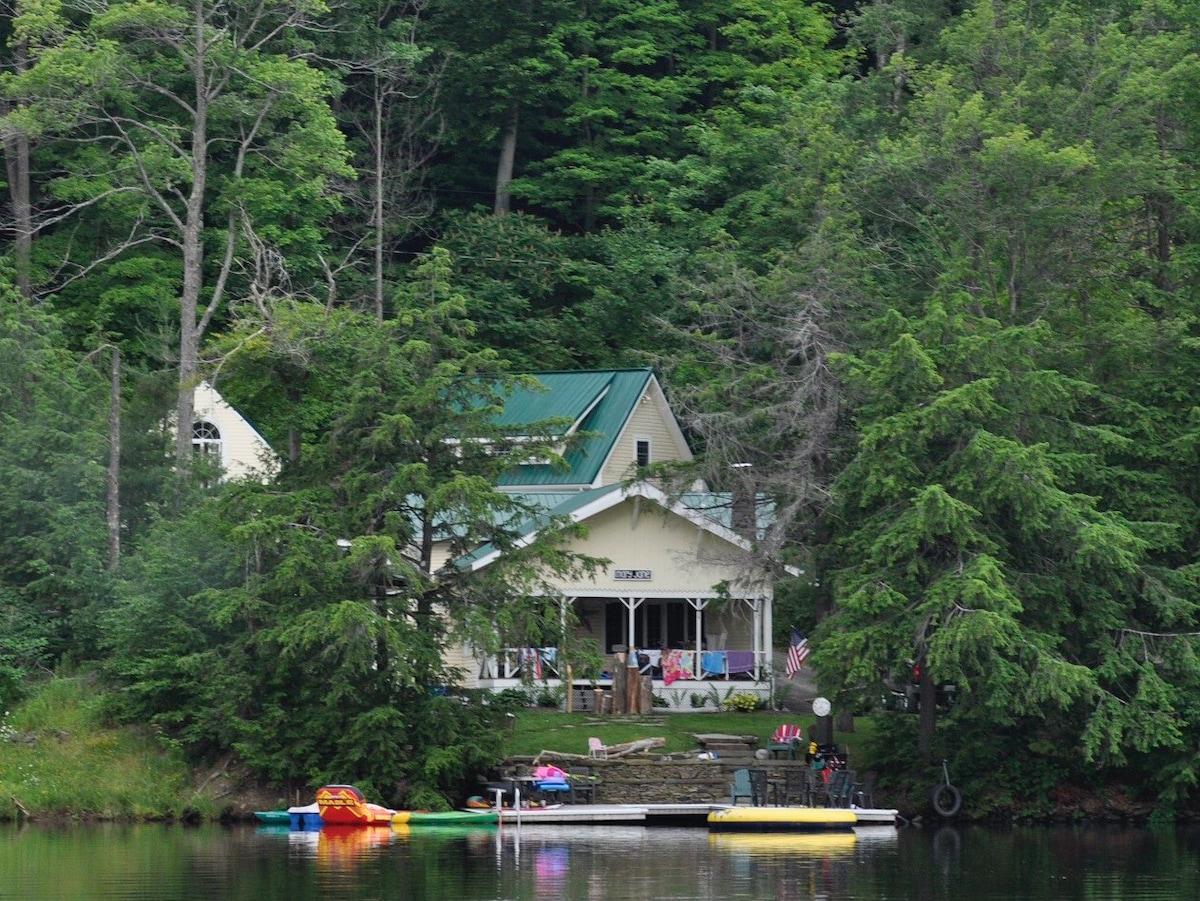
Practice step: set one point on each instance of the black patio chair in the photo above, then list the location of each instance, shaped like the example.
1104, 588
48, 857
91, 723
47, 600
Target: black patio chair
583, 784
759, 786
863, 792
796, 788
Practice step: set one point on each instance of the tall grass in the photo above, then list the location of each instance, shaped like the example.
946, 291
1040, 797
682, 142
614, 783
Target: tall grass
58, 758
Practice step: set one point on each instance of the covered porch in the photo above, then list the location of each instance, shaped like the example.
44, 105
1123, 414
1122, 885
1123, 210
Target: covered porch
696, 650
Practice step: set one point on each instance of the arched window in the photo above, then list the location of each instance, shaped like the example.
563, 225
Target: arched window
206, 439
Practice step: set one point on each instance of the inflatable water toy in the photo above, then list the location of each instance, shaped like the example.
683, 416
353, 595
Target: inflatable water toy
344, 805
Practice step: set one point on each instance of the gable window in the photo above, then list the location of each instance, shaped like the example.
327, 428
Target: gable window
206, 439
643, 451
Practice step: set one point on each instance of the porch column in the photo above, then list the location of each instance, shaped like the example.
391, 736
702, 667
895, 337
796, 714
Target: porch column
768, 640
756, 630
631, 604
698, 604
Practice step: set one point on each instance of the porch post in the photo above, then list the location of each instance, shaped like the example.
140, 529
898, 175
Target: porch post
768, 640
631, 604
756, 630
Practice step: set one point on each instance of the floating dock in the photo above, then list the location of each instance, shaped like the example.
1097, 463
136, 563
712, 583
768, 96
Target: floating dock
662, 814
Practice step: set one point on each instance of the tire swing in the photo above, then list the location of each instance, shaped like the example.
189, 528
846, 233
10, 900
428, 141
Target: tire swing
946, 800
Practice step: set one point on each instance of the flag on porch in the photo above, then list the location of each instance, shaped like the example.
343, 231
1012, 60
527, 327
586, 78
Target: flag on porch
796, 653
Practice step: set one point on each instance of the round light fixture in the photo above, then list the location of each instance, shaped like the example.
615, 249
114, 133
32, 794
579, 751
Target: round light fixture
821, 706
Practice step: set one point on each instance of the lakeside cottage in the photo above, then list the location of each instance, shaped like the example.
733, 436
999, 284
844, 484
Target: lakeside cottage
681, 592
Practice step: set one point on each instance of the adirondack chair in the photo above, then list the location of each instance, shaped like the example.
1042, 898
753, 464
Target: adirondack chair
784, 740
597, 749
740, 787
839, 788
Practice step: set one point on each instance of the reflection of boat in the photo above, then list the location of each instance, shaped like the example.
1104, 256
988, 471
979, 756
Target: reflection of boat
782, 819
344, 805
446, 818
773, 844
343, 846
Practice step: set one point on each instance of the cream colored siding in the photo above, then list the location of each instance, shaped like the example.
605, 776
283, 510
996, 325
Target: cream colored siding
461, 658
244, 453
438, 557
684, 560
645, 423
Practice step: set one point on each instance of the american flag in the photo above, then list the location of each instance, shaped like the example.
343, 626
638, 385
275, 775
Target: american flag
796, 653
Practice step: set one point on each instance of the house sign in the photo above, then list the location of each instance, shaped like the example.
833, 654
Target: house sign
633, 575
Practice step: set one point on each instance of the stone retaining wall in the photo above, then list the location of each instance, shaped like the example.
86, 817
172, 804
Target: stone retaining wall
639, 781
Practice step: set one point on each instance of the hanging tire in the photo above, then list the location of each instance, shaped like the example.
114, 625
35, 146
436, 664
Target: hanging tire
946, 800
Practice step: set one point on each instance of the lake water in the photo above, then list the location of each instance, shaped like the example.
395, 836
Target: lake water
534, 862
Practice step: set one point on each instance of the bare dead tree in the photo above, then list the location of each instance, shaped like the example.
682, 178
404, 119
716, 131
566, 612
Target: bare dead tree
765, 426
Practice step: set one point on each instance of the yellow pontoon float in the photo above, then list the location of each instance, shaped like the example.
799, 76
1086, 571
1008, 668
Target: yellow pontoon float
782, 819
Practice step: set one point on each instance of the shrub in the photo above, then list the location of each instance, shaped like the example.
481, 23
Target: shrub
744, 702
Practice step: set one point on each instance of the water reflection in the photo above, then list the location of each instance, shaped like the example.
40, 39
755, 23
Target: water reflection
760, 844
140, 863
346, 847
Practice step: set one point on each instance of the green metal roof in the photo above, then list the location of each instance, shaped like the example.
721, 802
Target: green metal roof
599, 402
551, 504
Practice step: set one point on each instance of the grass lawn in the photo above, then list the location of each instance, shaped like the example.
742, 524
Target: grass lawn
550, 730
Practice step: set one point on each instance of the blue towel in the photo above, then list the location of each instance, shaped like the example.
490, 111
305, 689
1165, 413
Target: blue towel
713, 662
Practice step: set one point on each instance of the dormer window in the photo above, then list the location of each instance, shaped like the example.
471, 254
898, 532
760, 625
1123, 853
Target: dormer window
206, 439
643, 451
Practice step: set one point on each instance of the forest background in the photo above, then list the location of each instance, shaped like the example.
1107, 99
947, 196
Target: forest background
928, 267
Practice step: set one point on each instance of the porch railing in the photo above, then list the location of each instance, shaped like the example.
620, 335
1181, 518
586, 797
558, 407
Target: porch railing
667, 666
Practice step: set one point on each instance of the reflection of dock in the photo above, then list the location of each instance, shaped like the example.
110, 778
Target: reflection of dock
577, 814
650, 815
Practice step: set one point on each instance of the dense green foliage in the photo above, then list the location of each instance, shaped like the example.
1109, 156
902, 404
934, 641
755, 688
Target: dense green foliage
928, 268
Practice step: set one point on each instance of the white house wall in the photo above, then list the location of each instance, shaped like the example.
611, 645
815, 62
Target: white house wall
244, 452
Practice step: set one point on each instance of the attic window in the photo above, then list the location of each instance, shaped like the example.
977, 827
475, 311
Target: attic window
206, 438
643, 452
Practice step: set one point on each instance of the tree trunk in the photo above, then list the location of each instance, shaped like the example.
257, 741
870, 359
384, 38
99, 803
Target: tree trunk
927, 724
378, 188
16, 161
508, 156
113, 508
191, 324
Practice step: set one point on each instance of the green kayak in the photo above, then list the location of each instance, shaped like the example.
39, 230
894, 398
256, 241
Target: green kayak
446, 818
